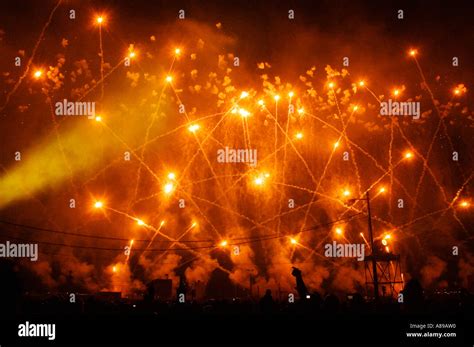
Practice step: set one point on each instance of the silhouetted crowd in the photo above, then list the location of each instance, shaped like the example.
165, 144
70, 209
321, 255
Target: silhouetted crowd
15, 301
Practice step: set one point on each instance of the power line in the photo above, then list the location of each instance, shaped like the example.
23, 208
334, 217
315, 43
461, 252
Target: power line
19, 225
314, 227
91, 236
106, 248
239, 240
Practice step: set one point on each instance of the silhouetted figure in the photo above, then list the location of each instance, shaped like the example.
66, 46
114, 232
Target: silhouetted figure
413, 295
182, 289
150, 293
315, 301
331, 304
266, 302
10, 289
358, 302
300, 286
193, 292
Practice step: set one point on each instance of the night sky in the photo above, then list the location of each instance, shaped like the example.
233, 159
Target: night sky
235, 205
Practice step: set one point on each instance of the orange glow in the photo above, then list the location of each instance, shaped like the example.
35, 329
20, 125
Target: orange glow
168, 188
114, 125
260, 179
193, 128
459, 90
244, 113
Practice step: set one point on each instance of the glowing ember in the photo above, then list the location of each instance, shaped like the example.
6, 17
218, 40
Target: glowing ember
193, 128
168, 188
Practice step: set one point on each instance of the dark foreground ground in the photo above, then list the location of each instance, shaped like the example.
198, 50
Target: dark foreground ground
316, 321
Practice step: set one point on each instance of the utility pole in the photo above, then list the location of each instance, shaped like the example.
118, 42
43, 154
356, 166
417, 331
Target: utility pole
374, 261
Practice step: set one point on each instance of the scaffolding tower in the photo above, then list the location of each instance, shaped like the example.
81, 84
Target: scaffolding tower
388, 280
